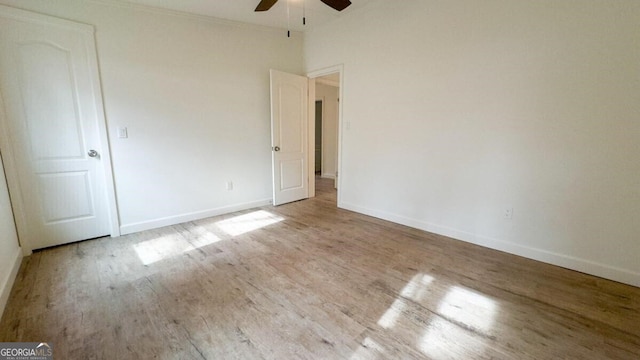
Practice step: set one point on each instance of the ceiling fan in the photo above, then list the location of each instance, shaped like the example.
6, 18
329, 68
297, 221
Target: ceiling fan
339, 5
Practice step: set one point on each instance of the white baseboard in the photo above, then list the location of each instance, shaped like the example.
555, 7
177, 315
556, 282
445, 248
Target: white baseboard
177, 219
566, 261
328, 176
7, 282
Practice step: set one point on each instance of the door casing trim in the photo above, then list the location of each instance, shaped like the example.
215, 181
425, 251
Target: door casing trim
312, 75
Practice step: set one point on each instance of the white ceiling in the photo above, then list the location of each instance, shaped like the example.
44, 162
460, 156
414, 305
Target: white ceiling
243, 11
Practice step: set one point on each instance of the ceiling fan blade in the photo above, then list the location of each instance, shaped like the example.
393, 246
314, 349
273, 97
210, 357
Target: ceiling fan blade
265, 5
337, 4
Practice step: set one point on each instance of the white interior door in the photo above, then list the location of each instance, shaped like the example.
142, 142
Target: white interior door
289, 137
48, 81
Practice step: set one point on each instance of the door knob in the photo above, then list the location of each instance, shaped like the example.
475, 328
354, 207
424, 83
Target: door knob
92, 153
277, 148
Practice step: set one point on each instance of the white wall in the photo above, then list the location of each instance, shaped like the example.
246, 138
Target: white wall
461, 109
10, 252
329, 96
194, 94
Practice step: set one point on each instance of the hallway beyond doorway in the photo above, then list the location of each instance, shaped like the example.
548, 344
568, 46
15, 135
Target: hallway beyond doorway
325, 190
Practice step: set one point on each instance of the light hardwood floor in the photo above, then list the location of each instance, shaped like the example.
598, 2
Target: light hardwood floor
307, 280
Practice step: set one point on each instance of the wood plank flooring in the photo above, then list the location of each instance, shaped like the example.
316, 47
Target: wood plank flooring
310, 281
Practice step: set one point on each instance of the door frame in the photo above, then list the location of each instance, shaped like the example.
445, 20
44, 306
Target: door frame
6, 148
322, 101
312, 75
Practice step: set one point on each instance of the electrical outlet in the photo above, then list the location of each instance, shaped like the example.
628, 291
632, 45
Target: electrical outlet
229, 185
508, 213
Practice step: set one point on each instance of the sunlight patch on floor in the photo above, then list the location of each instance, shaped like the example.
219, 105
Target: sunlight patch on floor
390, 317
466, 306
165, 247
452, 330
415, 289
242, 224
369, 349
444, 340
463, 313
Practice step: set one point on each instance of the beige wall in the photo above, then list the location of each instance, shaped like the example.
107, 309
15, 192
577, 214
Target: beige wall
194, 95
455, 111
329, 96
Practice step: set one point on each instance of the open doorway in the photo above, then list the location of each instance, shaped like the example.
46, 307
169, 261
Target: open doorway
294, 148
324, 182
318, 139
327, 110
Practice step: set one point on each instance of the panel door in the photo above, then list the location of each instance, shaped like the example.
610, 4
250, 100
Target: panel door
47, 80
289, 136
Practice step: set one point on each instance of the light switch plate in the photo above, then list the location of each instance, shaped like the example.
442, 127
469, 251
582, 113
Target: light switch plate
123, 133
